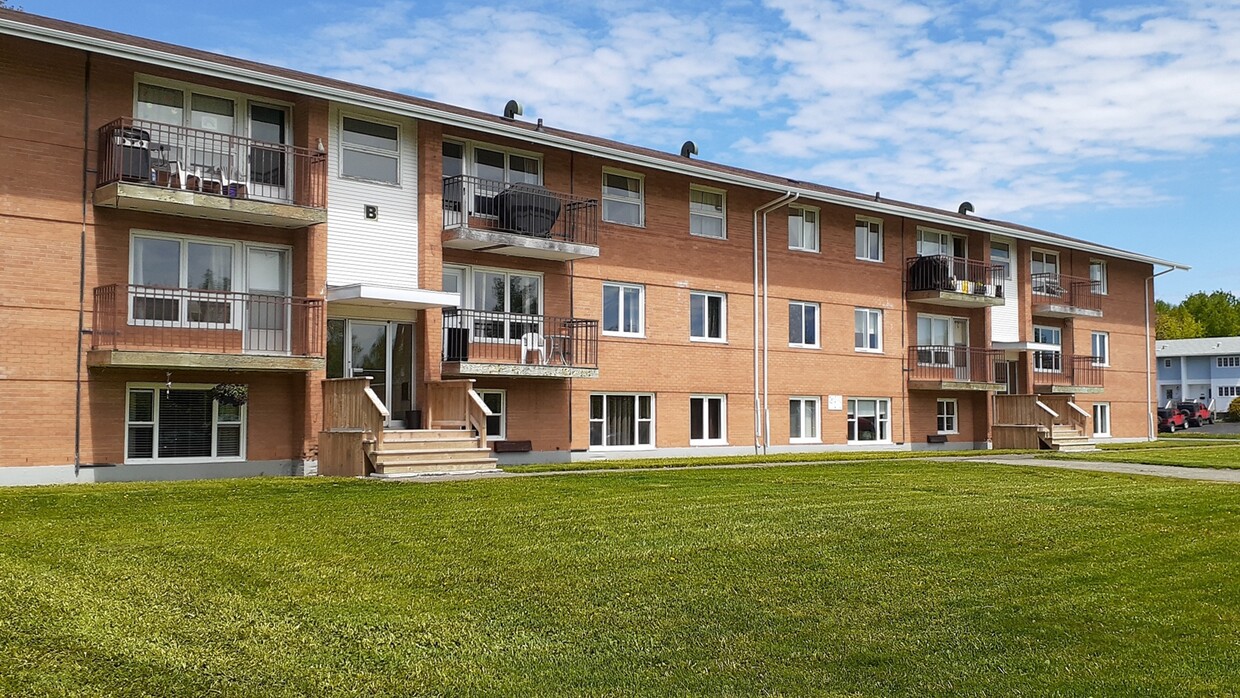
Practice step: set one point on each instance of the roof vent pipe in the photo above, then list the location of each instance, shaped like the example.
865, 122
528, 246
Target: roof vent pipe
965, 208
512, 109
688, 150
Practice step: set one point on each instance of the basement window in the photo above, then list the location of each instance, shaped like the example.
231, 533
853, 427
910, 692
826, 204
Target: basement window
181, 424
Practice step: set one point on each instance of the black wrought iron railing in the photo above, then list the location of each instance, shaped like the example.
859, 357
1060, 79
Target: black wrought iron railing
523, 209
483, 336
1053, 288
955, 274
215, 322
957, 364
207, 162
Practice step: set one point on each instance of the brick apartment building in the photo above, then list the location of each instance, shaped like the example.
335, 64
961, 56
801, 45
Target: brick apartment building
403, 285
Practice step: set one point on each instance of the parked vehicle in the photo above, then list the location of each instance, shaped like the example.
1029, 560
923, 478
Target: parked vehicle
1171, 420
1195, 413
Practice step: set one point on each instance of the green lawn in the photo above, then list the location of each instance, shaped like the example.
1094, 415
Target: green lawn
904, 578
1193, 456
699, 461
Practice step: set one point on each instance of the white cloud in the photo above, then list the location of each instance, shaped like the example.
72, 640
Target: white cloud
1014, 104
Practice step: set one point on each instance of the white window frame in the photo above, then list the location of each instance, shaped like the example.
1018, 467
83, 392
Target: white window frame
869, 253
722, 216
369, 150
636, 422
1104, 420
705, 416
640, 201
215, 426
620, 308
1229, 391
502, 414
944, 238
817, 324
874, 326
803, 215
944, 356
1224, 362
241, 122
1042, 352
1167, 363
468, 297
238, 281
947, 421
1100, 340
1046, 258
881, 423
816, 423
707, 297
1099, 284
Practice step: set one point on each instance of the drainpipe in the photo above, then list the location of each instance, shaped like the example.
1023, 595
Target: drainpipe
77, 383
1150, 425
761, 411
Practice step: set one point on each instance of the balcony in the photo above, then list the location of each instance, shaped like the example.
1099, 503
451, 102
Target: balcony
1060, 295
485, 343
152, 327
936, 367
1055, 373
521, 220
954, 281
179, 171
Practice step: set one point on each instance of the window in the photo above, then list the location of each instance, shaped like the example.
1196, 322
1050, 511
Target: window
1167, 363
497, 422
624, 311
369, 150
934, 242
1170, 393
869, 419
1098, 276
181, 423
708, 420
1223, 361
870, 239
802, 324
619, 421
708, 316
165, 272
868, 330
507, 294
1044, 267
1050, 360
803, 228
706, 213
622, 199
1229, 391
947, 416
495, 165
1102, 419
937, 336
803, 420
1100, 347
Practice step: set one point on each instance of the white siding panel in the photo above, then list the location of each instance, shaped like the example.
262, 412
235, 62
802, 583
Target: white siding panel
384, 251
1005, 319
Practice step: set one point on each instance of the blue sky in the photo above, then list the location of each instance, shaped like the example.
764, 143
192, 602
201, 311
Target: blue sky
1113, 121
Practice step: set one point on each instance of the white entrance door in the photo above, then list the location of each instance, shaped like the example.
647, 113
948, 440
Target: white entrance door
268, 307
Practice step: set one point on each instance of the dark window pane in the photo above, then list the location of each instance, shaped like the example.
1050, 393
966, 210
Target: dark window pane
142, 442
184, 424
380, 168
370, 135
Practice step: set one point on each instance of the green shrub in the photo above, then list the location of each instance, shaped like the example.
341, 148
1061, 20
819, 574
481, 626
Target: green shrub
1233, 411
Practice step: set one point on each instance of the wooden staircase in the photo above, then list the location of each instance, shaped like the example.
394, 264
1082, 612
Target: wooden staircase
410, 452
1063, 437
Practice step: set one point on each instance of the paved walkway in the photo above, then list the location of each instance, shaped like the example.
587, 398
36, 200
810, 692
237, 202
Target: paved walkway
1207, 474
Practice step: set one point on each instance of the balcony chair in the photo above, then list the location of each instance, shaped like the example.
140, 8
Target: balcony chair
531, 342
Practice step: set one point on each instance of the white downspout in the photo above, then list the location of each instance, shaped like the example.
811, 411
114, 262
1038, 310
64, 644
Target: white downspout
760, 426
1151, 371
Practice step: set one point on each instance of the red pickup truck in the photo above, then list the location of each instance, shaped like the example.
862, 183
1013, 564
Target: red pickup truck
1195, 413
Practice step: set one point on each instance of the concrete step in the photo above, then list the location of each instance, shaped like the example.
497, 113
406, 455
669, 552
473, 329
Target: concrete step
436, 444
386, 458
1076, 448
431, 467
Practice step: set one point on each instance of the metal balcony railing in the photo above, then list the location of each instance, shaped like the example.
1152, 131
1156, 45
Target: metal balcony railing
1053, 368
955, 274
190, 159
956, 364
522, 209
211, 322
1053, 288
483, 336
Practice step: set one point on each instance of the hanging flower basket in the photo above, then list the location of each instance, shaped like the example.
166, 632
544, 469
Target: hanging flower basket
233, 394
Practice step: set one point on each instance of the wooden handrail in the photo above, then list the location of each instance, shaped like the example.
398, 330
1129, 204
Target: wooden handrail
478, 413
1049, 411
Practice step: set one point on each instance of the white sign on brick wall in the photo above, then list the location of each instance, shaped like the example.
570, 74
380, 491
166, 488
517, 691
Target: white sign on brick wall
835, 402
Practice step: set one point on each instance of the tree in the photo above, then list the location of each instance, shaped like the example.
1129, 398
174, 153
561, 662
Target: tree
1175, 322
1218, 313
